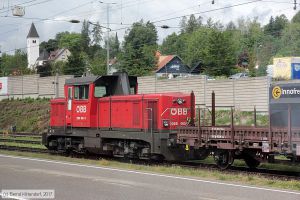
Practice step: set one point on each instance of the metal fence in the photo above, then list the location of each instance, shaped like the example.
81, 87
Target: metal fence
243, 94
34, 86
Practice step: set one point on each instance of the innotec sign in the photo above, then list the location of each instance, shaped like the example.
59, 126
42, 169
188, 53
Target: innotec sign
285, 93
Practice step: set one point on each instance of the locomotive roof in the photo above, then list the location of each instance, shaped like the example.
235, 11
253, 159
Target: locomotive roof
82, 80
89, 79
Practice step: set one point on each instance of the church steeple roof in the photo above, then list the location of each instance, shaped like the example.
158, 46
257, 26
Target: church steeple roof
32, 32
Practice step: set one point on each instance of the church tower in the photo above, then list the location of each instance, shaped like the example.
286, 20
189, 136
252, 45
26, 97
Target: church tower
33, 49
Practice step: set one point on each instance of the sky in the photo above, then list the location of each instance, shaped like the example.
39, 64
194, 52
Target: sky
52, 16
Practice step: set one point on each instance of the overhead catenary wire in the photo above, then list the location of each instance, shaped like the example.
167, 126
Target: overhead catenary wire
63, 12
114, 8
212, 10
196, 13
49, 18
7, 51
45, 1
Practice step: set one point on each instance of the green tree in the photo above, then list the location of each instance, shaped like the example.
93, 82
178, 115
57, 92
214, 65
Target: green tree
61, 34
72, 41
14, 64
251, 39
44, 70
138, 55
97, 66
231, 26
114, 46
96, 34
210, 23
196, 48
58, 67
183, 24
220, 59
85, 38
50, 45
173, 45
290, 41
192, 24
296, 18
275, 27
270, 26
76, 65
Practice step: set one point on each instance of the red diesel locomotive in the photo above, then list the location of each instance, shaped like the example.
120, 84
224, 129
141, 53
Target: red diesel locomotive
105, 115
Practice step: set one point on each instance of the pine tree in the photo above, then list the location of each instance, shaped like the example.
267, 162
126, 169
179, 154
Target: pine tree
115, 46
192, 24
85, 38
182, 24
97, 34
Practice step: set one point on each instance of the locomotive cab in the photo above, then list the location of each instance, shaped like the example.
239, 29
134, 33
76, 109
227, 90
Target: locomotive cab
83, 93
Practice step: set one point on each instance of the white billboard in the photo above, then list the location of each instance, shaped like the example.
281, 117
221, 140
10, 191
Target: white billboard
3, 85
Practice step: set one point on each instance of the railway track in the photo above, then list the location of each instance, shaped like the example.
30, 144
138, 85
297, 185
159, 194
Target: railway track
22, 135
19, 141
267, 173
24, 149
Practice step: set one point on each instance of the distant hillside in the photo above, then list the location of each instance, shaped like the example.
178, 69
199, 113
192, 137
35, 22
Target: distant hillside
28, 115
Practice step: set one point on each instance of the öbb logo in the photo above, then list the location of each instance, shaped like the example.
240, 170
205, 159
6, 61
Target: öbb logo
81, 109
179, 111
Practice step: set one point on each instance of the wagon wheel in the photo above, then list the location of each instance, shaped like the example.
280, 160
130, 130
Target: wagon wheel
251, 162
201, 154
223, 159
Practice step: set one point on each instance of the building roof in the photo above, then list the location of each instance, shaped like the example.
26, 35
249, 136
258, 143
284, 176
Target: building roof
113, 61
32, 32
55, 54
197, 68
163, 60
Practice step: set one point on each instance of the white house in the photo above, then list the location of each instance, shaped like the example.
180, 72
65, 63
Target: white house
59, 55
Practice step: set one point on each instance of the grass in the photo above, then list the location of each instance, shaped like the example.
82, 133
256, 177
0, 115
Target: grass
16, 144
175, 170
28, 115
241, 118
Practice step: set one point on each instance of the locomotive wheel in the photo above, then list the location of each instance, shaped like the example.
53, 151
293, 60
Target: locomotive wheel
157, 158
251, 162
223, 159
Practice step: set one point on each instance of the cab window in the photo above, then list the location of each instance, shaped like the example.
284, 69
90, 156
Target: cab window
69, 93
100, 91
81, 92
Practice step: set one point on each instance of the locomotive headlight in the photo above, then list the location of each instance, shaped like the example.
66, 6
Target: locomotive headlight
180, 101
166, 123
